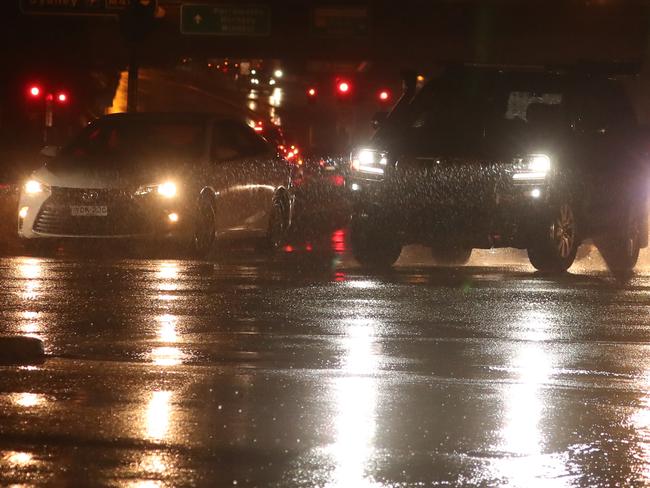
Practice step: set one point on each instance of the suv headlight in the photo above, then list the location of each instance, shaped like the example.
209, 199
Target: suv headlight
368, 161
532, 167
167, 189
32, 187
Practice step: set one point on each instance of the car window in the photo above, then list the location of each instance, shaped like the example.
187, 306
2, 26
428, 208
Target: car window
603, 108
231, 140
113, 142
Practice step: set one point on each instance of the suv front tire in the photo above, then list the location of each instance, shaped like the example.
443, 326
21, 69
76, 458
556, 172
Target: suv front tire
556, 242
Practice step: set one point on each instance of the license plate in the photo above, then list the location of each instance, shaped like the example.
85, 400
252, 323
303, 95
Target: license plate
89, 210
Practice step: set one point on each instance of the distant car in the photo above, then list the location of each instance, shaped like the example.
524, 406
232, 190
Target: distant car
483, 157
193, 178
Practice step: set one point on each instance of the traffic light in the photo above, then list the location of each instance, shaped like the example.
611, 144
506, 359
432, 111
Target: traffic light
312, 94
343, 88
384, 95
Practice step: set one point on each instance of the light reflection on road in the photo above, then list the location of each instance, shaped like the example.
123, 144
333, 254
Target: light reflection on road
158, 413
31, 270
526, 462
28, 400
640, 422
19, 458
168, 275
167, 328
167, 356
355, 396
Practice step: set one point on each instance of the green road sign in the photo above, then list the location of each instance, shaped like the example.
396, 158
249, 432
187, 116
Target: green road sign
341, 21
73, 7
226, 20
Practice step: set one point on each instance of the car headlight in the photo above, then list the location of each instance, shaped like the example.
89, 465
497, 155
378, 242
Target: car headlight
532, 167
167, 189
32, 187
368, 161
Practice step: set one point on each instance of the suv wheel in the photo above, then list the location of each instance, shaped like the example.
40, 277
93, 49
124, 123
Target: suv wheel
620, 248
203, 236
373, 245
449, 255
555, 247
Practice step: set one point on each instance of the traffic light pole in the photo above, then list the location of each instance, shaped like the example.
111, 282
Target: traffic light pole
132, 91
49, 118
136, 22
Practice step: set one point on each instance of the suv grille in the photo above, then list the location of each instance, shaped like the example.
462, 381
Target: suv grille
123, 217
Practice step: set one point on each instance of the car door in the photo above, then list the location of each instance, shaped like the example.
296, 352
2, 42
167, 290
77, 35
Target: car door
245, 177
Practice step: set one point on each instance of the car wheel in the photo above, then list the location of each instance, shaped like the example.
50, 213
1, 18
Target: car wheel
278, 226
204, 234
620, 248
373, 246
446, 255
555, 246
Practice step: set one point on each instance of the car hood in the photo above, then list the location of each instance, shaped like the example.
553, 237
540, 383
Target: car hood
77, 177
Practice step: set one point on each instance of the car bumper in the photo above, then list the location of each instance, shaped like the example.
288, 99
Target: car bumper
118, 215
493, 214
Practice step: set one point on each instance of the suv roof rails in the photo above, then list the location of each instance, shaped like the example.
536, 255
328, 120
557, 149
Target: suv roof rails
587, 68
602, 69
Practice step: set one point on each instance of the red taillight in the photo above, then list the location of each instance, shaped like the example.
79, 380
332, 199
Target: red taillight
35, 91
338, 241
62, 97
384, 95
312, 92
338, 180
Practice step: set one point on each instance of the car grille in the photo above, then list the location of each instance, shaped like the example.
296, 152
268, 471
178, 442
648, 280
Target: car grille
124, 217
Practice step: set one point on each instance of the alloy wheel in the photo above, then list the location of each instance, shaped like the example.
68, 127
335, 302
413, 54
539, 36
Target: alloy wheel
563, 231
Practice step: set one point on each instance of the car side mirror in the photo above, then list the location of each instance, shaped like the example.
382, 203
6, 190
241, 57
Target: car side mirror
378, 119
50, 151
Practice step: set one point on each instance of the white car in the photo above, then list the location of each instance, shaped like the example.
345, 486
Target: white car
197, 178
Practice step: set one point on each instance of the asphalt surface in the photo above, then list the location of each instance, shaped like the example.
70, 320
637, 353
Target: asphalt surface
248, 373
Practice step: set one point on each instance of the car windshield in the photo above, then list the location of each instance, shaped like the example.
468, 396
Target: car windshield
462, 114
119, 142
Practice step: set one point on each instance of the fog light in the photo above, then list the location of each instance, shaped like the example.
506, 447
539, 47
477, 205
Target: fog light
173, 217
23, 212
536, 193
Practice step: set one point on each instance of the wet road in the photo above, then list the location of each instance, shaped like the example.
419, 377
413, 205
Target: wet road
181, 373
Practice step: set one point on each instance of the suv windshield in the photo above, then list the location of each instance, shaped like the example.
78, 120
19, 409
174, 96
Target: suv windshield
454, 114
120, 142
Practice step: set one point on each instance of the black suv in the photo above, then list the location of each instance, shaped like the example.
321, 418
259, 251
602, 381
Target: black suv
485, 157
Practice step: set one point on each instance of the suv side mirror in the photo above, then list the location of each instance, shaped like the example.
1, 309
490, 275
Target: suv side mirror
378, 119
50, 151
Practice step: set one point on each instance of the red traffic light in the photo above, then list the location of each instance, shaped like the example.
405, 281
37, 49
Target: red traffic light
62, 97
343, 87
34, 91
384, 95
